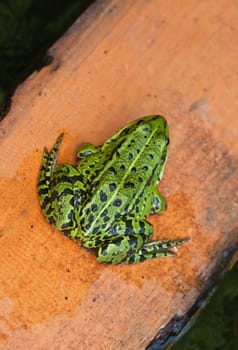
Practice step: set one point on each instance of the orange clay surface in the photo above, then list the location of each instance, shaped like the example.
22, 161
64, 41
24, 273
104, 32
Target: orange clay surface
120, 61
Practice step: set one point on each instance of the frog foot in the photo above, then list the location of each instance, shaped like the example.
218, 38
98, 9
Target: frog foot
156, 249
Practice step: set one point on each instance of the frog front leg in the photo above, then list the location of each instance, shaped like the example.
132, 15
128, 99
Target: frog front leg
159, 203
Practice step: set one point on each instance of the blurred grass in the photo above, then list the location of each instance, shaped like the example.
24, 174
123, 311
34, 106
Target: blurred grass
217, 325
27, 29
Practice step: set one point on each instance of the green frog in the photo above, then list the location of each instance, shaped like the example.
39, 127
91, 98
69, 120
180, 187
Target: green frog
102, 202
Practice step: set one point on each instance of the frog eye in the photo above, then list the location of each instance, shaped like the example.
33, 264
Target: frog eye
85, 153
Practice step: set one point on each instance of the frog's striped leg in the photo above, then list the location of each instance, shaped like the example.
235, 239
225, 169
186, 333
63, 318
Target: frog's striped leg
47, 168
61, 190
152, 250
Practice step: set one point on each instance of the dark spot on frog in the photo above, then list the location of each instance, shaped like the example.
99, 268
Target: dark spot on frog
117, 242
103, 196
132, 241
43, 190
95, 183
66, 298
87, 211
49, 210
67, 225
90, 218
96, 229
113, 231
70, 214
112, 186
105, 212
106, 219
70, 179
151, 156
104, 251
94, 207
122, 168
141, 258
140, 179
133, 170
129, 227
129, 185
126, 209
88, 226
112, 170
130, 156
117, 203
145, 168
142, 227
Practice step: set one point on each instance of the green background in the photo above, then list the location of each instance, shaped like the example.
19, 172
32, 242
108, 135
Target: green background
27, 30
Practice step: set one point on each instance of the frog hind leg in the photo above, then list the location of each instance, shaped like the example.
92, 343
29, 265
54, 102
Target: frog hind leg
47, 169
159, 203
127, 242
123, 239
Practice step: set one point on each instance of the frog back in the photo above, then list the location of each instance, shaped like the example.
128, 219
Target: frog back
133, 171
